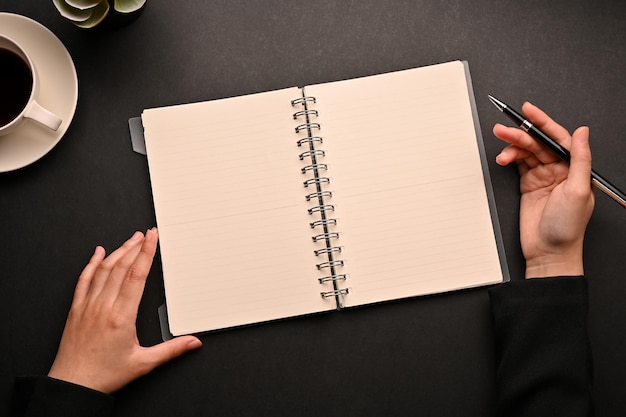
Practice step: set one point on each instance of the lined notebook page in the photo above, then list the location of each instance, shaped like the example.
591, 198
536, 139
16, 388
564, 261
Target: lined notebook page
235, 240
407, 184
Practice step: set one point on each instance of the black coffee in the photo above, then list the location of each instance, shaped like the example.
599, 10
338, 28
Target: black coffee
16, 82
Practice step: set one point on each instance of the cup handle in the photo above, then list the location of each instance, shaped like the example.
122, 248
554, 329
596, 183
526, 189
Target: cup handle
45, 117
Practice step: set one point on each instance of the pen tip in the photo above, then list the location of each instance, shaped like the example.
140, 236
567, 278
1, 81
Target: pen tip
499, 105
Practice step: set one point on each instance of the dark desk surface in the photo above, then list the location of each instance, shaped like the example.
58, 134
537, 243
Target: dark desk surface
431, 356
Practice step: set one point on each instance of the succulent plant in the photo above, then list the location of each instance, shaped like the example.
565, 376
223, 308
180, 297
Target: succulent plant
90, 13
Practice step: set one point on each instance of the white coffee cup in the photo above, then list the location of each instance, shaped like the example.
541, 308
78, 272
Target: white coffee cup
19, 87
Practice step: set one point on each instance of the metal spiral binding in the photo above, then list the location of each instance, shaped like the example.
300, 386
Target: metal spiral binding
329, 264
310, 140
316, 180
330, 252
318, 252
308, 127
313, 167
325, 236
323, 207
305, 113
318, 194
335, 293
331, 278
323, 222
312, 154
303, 100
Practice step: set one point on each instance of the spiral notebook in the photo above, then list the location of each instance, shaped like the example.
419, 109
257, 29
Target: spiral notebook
335, 195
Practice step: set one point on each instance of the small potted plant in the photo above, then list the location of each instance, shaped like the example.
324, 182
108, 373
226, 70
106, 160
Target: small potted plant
88, 14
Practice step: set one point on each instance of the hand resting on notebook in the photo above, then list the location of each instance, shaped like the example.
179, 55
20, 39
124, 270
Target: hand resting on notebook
99, 348
556, 201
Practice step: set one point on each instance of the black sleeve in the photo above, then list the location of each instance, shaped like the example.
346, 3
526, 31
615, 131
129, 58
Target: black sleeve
43, 396
543, 356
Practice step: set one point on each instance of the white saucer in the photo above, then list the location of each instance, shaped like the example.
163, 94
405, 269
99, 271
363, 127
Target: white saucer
58, 91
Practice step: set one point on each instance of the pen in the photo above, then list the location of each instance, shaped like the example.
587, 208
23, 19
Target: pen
597, 180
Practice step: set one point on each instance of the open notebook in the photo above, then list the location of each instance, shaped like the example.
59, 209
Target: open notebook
335, 195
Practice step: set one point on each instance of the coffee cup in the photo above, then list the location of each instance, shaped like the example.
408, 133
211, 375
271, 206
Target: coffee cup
19, 87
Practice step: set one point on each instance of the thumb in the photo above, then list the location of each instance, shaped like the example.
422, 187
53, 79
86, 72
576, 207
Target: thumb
580, 162
164, 352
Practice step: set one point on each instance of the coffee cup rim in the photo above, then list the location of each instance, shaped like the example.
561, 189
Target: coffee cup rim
33, 89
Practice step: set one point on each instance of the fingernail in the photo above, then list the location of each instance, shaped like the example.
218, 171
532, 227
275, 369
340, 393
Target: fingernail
151, 233
98, 252
499, 160
194, 344
136, 237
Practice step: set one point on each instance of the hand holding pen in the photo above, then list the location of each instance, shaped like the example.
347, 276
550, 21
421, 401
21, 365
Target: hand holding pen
561, 151
557, 200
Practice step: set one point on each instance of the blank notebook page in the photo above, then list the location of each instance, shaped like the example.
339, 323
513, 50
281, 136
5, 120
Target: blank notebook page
407, 184
236, 243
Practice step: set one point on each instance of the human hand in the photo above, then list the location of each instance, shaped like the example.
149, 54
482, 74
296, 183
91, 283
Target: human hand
99, 348
556, 201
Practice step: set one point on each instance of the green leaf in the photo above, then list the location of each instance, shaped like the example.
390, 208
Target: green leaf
98, 14
71, 13
128, 6
83, 4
